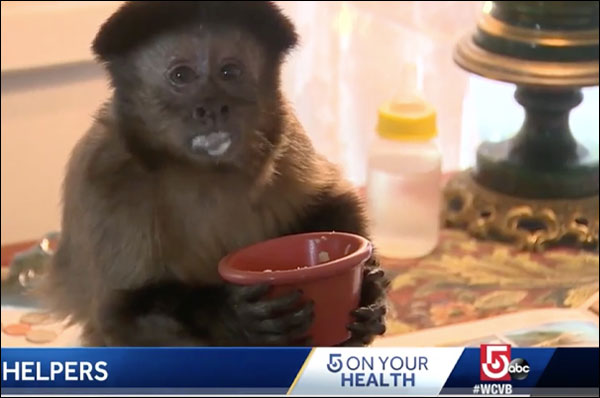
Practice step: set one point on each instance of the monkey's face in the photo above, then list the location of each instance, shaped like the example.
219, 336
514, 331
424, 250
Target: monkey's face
206, 94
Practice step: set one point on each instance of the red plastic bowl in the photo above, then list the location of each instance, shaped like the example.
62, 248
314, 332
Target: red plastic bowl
295, 262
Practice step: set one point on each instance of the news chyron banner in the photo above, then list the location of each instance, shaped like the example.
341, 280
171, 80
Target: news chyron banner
495, 369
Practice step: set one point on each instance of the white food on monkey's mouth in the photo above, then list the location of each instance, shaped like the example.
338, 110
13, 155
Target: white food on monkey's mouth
215, 144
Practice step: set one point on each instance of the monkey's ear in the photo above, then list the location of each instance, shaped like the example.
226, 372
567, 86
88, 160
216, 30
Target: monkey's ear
137, 22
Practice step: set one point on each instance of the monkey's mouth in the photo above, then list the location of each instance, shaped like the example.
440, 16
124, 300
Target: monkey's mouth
214, 144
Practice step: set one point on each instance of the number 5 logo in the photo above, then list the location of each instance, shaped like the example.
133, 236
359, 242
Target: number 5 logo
335, 363
495, 359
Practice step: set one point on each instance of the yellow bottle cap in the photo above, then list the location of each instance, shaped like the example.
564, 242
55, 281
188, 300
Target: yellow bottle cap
407, 117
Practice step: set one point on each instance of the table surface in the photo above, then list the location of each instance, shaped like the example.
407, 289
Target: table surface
465, 293
468, 291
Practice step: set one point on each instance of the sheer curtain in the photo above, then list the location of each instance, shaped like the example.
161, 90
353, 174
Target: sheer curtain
349, 62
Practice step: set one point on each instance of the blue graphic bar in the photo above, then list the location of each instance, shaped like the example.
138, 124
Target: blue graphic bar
150, 370
490, 369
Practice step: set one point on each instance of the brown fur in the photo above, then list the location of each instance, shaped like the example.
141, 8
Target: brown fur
145, 223
138, 22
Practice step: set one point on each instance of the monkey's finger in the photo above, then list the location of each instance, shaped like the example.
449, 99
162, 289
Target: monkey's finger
372, 262
279, 305
300, 332
375, 275
385, 284
366, 333
364, 329
370, 312
250, 293
373, 290
302, 317
368, 339
357, 328
294, 336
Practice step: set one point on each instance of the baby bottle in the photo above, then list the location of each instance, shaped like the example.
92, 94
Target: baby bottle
404, 175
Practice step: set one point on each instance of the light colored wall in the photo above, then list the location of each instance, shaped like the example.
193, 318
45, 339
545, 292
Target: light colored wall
40, 124
50, 90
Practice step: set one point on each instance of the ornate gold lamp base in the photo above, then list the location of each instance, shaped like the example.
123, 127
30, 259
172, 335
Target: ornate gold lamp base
531, 224
540, 187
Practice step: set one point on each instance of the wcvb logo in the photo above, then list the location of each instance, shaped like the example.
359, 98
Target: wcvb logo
495, 360
496, 365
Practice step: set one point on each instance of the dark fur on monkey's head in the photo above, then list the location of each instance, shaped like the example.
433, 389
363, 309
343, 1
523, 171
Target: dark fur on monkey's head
197, 81
137, 22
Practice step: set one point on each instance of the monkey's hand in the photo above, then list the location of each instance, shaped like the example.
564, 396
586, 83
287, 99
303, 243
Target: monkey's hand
375, 284
369, 322
370, 316
254, 320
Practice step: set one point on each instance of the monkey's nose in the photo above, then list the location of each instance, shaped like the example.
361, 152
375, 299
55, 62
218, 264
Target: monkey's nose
211, 114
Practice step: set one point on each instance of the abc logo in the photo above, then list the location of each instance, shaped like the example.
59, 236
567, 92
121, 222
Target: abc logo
518, 369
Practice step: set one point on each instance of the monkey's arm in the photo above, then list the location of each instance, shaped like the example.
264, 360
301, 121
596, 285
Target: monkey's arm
137, 305
159, 314
175, 314
343, 212
116, 281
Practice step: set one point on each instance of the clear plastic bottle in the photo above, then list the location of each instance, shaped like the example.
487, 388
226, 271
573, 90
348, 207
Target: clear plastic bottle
404, 176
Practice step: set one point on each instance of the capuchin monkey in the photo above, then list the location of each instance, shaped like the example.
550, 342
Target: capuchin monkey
195, 155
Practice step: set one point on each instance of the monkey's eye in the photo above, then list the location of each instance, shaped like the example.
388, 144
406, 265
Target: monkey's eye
231, 71
182, 74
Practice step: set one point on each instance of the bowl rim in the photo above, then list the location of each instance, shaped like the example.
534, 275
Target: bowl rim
323, 270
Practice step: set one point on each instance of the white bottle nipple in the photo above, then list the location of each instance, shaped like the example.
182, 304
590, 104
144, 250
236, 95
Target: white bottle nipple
408, 98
